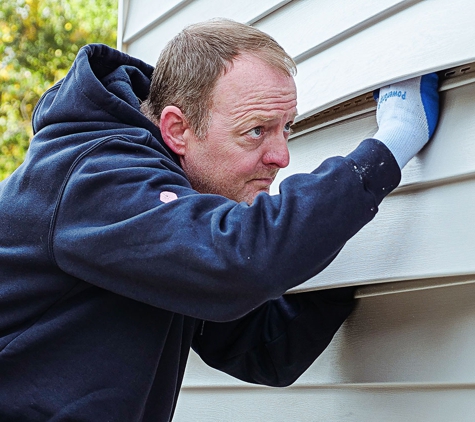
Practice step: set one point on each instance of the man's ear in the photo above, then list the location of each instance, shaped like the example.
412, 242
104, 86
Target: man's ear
173, 126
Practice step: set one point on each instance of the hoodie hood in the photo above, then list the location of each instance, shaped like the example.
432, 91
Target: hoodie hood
103, 86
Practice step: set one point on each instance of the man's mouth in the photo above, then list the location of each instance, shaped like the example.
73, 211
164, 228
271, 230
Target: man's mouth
264, 181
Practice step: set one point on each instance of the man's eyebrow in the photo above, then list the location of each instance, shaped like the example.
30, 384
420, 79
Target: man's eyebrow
261, 117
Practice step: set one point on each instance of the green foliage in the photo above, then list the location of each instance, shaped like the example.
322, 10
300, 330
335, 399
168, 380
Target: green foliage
39, 40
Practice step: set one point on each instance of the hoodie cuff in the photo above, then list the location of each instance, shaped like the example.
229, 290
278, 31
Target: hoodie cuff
377, 167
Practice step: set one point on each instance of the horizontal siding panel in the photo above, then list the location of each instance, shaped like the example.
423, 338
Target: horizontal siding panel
417, 235
412, 285
142, 13
422, 337
430, 35
329, 405
301, 26
148, 46
200, 375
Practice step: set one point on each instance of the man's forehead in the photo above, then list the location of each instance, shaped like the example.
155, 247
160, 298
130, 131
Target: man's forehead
253, 84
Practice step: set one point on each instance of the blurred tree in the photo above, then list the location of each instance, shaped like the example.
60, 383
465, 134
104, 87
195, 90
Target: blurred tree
39, 40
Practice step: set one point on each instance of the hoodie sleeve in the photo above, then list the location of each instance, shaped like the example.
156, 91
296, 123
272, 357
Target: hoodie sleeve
128, 221
276, 343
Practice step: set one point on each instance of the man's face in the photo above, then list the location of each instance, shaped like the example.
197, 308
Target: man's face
246, 144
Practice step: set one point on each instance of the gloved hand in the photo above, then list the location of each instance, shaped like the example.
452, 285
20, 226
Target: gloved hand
407, 115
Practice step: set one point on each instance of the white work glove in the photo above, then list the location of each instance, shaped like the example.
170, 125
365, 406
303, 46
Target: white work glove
407, 115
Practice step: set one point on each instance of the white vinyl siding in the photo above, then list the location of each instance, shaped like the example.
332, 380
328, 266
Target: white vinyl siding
156, 25
343, 48
406, 353
405, 357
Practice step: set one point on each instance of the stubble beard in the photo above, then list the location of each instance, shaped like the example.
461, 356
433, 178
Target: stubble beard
204, 180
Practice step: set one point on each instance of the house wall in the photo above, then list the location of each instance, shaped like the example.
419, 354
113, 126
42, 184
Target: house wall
400, 357
406, 354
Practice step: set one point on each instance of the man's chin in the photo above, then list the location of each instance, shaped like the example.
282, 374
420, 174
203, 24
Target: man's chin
249, 198
245, 195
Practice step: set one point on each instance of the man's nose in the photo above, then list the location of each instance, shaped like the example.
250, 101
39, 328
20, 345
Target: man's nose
277, 153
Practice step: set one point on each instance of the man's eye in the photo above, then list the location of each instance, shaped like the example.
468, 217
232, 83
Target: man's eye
287, 127
255, 132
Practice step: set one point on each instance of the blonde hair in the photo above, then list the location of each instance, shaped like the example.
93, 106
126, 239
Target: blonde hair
191, 63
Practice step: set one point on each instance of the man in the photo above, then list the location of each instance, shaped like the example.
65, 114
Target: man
125, 239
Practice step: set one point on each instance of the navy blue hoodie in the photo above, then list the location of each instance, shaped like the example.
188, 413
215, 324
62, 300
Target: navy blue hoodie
104, 287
